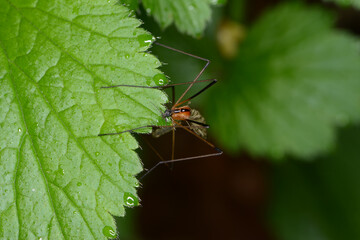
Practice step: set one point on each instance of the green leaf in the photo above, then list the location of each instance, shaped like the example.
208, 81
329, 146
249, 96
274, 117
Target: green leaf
327, 191
354, 3
296, 79
58, 179
189, 16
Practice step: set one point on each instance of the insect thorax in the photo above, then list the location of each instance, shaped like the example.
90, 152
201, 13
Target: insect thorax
167, 113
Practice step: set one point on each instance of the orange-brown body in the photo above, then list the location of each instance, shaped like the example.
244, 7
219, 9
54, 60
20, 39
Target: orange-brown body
181, 113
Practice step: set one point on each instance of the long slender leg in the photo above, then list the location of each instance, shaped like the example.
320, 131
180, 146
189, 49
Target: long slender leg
147, 126
196, 94
173, 144
173, 148
163, 87
191, 55
198, 123
131, 130
202, 139
173, 94
217, 153
154, 150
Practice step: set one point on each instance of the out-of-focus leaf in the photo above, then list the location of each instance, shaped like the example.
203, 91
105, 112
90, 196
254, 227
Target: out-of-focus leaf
189, 16
296, 79
131, 4
320, 200
58, 178
354, 3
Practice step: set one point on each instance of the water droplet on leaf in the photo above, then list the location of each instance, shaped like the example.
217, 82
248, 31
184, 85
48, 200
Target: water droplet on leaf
145, 40
109, 232
97, 154
130, 200
160, 79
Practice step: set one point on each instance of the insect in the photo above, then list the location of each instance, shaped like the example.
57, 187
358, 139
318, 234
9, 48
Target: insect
181, 115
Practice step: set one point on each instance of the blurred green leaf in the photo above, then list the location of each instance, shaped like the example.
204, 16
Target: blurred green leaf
131, 4
320, 200
296, 79
354, 3
189, 16
58, 179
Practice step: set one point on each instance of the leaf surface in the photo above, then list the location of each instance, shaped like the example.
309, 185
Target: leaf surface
296, 79
58, 179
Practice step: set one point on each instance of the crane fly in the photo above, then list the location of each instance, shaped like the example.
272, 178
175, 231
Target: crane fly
179, 113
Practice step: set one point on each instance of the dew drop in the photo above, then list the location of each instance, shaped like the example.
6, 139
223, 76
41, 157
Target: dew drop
33, 189
127, 56
160, 79
20, 130
109, 232
148, 10
145, 40
79, 184
130, 200
97, 154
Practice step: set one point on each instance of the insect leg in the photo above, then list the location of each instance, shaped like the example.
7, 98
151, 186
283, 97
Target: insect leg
213, 81
161, 87
217, 153
204, 125
131, 130
147, 126
191, 55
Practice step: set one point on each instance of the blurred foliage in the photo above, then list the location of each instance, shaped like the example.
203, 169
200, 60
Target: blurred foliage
319, 200
189, 16
131, 4
294, 81
347, 3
